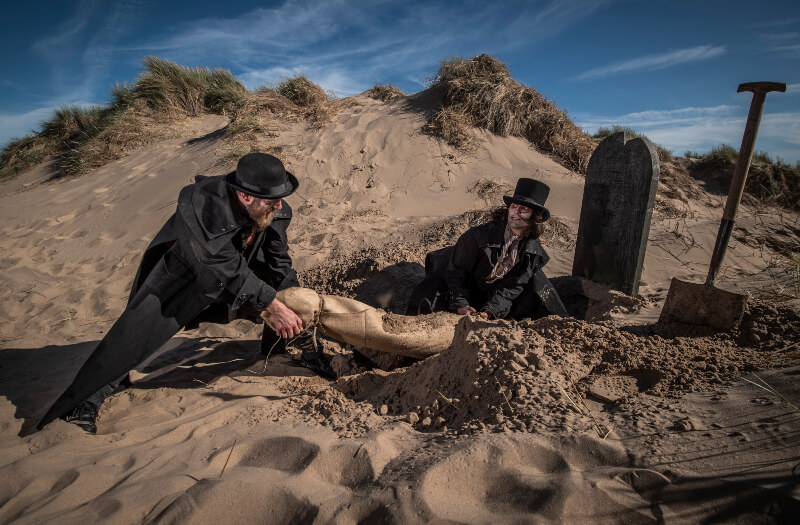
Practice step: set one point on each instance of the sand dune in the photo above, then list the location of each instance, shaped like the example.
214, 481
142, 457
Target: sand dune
543, 421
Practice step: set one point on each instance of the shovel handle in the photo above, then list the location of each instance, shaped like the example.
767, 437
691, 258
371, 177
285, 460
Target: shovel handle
759, 90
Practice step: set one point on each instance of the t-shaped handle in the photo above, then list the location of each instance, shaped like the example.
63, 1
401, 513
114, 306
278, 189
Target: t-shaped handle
759, 90
762, 87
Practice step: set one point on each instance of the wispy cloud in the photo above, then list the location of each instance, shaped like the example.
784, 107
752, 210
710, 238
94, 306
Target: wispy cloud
701, 128
777, 23
16, 125
354, 40
79, 57
793, 49
655, 62
779, 36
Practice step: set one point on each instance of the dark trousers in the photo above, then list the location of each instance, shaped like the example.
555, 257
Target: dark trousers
538, 299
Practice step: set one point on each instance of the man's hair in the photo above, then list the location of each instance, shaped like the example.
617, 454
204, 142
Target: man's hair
499, 215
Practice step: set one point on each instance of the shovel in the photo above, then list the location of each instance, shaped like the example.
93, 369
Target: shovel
705, 304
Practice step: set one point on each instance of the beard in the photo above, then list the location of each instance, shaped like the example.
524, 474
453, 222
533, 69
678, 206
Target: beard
261, 218
518, 222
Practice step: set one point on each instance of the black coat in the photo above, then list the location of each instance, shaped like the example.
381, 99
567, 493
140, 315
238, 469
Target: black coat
475, 255
197, 263
456, 277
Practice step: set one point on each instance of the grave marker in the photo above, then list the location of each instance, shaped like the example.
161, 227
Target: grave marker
618, 199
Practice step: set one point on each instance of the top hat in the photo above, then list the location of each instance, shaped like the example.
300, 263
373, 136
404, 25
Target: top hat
262, 176
531, 193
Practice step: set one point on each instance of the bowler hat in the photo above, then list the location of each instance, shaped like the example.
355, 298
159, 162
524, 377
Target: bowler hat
531, 193
262, 176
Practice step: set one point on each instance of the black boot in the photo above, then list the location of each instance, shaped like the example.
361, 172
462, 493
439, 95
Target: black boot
85, 416
271, 344
312, 357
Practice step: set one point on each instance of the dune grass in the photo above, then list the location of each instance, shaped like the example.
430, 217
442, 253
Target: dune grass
481, 92
298, 89
385, 92
84, 138
769, 180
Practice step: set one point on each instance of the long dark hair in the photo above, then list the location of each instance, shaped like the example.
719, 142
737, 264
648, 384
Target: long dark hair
499, 215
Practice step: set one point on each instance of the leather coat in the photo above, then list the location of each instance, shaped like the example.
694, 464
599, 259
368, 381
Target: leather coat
474, 256
197, 263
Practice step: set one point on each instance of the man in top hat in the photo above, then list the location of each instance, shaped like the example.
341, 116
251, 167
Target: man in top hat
494, 271
221, 256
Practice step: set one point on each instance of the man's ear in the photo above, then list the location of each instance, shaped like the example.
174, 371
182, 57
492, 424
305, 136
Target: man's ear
244, 198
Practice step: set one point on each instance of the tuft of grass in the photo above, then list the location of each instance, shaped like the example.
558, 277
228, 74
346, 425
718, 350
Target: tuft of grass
454, 127
69, 123
24, 153
385, 93
768, 180
299, 90
171, 88
482, 90
316, 106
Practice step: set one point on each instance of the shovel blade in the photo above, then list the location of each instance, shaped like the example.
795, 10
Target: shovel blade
702, 304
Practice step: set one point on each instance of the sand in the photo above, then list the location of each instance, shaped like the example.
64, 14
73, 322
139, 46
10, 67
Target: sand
609, 420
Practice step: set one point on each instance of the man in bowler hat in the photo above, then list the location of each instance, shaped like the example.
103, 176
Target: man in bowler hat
494, 271
221, 256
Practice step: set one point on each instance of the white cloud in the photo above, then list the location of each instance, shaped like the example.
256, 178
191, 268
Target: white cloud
355, 39
701, 128
17, 125
655, 62
792, 49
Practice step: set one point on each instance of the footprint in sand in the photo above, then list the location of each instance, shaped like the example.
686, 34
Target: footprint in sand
287, 454
244, 498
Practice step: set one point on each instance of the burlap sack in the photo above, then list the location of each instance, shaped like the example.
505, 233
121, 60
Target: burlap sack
359, 324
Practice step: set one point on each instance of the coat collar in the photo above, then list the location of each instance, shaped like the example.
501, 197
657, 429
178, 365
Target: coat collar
531, 246
217, 210
210, 211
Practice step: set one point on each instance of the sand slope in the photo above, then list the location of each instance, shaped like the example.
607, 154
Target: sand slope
487, 432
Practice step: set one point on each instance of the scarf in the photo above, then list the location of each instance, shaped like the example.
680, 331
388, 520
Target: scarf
509, 256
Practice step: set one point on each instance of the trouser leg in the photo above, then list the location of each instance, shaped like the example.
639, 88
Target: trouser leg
429, 296
538, 299
138, 333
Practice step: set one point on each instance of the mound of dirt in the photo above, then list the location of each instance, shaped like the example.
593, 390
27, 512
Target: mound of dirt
534, 375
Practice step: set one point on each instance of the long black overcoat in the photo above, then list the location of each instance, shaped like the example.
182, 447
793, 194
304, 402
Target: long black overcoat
197, 263
458, 273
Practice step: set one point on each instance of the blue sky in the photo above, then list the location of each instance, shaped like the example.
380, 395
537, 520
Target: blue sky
668, 69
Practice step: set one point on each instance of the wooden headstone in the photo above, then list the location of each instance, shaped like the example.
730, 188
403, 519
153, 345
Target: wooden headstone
618, 199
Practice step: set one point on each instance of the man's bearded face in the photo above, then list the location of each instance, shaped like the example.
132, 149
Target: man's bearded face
261, 211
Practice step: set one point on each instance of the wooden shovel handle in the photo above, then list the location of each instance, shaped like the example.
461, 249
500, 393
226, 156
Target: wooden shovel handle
759, 90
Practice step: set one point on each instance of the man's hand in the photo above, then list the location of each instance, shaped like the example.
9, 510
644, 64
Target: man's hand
468, 310
464, 310
287, 323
